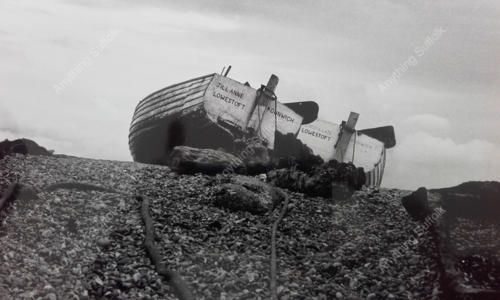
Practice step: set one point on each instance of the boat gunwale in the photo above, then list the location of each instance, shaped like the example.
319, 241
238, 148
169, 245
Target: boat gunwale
173, 93
162, 115
171, 86
158, 102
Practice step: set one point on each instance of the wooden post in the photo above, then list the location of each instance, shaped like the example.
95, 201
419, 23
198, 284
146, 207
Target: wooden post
227, 71
265, 96
267, 92
272, 83
353, 119
345, 136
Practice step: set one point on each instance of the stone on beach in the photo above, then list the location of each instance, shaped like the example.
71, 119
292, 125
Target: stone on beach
417, 204
238, 198
188, 160
254, 155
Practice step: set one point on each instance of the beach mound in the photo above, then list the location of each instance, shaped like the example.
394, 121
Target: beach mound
78, 234
22, 146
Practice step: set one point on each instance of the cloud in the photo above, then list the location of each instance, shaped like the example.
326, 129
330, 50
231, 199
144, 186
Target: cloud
422, 147
8, 121
333, 52
13, 126
163, 15
422, 159
61, 42
426, 122
95, 128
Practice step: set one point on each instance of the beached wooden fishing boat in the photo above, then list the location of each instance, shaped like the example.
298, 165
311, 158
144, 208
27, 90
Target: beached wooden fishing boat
211, 110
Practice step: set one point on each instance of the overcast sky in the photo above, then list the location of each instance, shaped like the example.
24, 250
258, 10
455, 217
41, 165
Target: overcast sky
430, 68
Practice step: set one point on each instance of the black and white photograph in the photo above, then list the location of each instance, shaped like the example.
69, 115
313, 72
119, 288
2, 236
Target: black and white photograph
249, 149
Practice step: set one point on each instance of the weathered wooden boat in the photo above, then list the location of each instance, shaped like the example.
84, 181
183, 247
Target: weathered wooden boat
211, 110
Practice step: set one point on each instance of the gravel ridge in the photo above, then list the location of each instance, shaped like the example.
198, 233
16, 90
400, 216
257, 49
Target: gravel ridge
72, 244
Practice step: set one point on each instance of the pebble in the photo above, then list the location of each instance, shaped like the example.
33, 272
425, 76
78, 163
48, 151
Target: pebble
371, 296
124, 261
136, 277
311, 271
414, 259
44, 269
103, 242
175, 238
84, 295
339, 295
48, 287
98, 280
76, 271
51, 296
19, 283
44, 252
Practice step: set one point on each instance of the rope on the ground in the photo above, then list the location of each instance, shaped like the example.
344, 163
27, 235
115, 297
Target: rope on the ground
273, 285
78, 186
9, 195
180, 288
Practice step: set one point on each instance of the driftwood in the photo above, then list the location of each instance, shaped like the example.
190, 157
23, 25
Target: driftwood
9, 195
273, 285
181, 289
